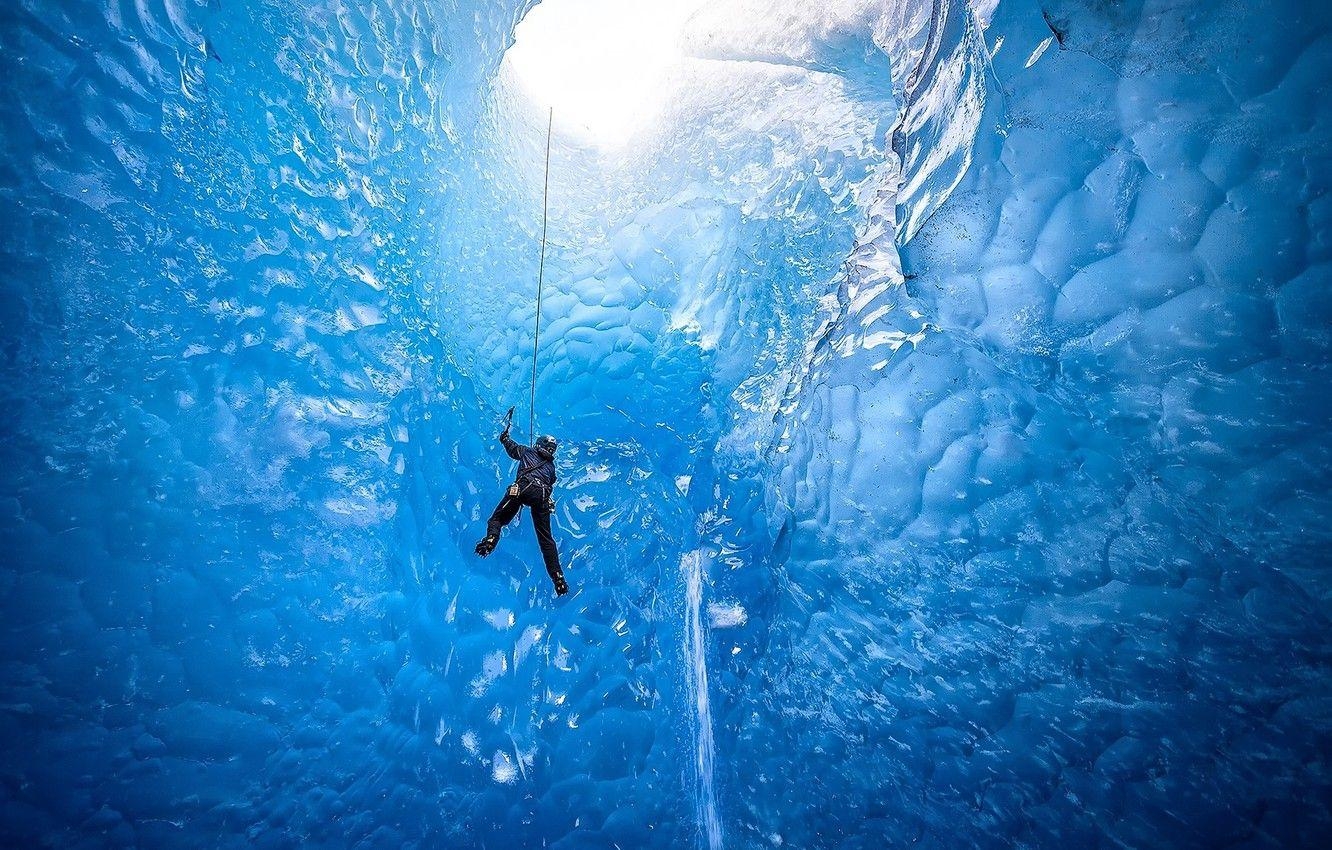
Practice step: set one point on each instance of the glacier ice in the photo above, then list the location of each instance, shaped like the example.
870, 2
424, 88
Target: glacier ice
943, 388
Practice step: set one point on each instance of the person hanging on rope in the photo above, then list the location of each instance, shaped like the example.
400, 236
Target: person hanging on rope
535, 481
533, 487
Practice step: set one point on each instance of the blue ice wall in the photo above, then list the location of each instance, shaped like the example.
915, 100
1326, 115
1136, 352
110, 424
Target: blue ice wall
943, 405
1050, 502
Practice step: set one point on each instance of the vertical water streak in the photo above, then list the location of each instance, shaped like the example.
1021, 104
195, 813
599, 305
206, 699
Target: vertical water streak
705, 753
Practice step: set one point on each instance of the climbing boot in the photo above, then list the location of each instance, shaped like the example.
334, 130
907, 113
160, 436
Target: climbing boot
487, 545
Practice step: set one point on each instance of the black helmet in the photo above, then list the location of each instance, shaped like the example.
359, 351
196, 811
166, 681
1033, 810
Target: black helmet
546, 444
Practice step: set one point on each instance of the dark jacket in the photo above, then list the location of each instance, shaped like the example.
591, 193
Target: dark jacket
533, 466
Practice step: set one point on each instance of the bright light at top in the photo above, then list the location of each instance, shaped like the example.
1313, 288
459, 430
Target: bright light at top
603, 65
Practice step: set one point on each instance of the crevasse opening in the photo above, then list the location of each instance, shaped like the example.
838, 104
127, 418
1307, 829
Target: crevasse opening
605, 67
941, 391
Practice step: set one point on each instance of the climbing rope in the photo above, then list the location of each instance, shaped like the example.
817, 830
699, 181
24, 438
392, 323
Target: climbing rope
541, 273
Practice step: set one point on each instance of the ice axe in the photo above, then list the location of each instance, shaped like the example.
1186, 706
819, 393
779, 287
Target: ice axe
512, 492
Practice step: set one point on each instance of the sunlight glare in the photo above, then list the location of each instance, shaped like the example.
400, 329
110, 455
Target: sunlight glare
603, 65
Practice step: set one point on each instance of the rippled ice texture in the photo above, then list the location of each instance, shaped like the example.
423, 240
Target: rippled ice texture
944, 396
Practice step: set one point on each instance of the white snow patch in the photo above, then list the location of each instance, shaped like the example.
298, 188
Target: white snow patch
725, 615
503, 770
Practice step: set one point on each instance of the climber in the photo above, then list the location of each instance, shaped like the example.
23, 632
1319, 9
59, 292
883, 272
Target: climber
531, 487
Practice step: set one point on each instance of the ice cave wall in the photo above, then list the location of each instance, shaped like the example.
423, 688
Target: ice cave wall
1049, 505
216, 351
941, 401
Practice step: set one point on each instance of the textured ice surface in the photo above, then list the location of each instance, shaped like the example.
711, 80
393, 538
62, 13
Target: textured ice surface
943, 394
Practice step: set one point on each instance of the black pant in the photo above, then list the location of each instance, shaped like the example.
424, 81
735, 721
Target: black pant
534, 497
